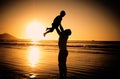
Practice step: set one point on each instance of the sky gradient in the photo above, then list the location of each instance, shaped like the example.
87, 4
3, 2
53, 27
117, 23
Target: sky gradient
93, 20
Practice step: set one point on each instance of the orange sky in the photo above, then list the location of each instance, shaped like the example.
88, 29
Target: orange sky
88, 21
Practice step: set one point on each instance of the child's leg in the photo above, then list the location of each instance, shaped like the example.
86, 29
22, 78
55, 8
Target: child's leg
49, 30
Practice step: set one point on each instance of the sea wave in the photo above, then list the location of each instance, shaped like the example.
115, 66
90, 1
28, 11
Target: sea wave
112, 46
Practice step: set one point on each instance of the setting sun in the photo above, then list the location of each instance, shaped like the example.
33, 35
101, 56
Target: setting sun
35, 30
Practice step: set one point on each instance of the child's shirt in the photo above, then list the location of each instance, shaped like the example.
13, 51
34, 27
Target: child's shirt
57, 21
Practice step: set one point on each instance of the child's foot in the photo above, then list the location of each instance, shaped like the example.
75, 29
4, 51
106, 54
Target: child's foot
44, 34
47, 29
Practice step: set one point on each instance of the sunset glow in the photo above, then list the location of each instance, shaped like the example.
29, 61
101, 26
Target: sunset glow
35, 30
27, 19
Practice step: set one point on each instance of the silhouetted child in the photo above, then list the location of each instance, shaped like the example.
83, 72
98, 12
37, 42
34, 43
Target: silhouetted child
56, 22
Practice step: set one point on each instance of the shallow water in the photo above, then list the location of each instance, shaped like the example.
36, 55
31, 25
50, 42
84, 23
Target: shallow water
86, 60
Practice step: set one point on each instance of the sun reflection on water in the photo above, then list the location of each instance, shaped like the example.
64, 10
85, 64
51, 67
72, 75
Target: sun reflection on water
34, 55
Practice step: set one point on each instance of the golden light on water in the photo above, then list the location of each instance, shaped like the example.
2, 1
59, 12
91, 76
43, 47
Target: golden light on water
34, 56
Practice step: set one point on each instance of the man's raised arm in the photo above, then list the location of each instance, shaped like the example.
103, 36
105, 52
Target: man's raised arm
61, 28
58, 31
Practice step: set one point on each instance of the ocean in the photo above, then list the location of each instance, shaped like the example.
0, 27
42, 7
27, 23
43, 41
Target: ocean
39, 60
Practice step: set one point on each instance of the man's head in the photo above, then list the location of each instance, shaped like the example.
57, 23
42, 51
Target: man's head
62, 13
67, 32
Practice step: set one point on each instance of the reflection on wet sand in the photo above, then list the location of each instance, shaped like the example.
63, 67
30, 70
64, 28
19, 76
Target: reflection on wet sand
30, 59
34, 55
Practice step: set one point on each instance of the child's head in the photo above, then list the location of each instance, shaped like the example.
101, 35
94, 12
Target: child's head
67, 32
62, 13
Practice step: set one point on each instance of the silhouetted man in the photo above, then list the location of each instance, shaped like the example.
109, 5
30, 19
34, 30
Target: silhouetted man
56, 22
63, 53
